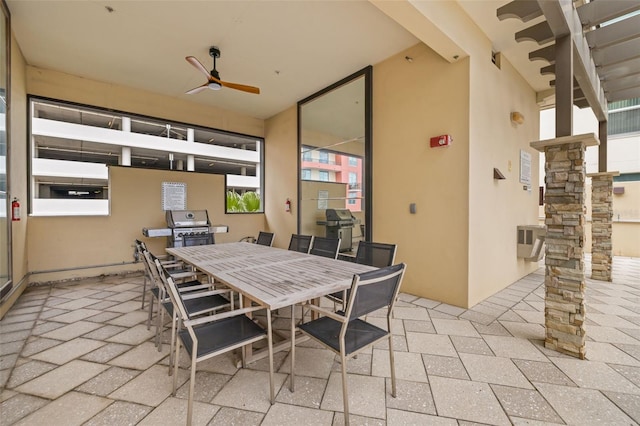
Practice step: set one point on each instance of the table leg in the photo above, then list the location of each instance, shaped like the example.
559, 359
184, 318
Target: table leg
272, 397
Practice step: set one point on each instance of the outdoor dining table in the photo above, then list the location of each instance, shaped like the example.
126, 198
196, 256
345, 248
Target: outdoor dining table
271, 277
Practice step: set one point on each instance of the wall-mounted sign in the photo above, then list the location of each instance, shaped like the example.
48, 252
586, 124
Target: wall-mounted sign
323, 200
174, 196
525, 167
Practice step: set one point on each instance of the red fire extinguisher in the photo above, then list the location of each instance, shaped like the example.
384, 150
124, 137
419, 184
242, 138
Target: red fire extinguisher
287, 206
15, 209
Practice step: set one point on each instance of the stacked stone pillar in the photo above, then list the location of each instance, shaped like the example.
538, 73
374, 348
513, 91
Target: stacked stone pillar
601, 226
564, 257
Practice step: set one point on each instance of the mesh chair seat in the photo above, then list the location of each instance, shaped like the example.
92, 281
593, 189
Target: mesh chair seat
220, 335
359, 333
199, 305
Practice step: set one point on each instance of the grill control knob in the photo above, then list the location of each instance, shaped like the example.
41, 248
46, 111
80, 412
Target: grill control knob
190, 233
179, 234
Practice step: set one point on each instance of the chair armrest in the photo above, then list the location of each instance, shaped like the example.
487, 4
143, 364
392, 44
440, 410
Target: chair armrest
330, 314
181, 275
223, 315
194, 288
204, 293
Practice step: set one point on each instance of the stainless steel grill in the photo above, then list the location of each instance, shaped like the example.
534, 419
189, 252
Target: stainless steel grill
188, 223
194, 224
339, 224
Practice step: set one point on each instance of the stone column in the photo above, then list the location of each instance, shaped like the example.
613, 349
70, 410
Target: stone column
601, 216
564, 257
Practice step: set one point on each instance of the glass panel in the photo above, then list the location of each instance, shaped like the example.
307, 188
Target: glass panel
5, 231
333, 128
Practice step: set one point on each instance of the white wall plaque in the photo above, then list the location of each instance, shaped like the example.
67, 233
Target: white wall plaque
323, 197
525, 167
174, 196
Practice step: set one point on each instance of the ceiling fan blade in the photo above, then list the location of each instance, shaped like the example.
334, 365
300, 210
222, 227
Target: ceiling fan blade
249, 89
196, 63
197, 89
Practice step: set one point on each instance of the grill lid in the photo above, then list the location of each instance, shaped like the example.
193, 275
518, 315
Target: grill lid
340, 215
187, 218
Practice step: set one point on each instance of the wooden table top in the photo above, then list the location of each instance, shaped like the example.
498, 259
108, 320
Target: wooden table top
270, 276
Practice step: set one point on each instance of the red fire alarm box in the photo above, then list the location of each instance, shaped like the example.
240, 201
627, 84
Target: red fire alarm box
442, 140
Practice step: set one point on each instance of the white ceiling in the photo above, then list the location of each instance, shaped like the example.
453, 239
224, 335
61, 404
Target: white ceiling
290, 49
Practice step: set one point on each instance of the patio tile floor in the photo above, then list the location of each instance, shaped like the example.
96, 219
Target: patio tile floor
79, 353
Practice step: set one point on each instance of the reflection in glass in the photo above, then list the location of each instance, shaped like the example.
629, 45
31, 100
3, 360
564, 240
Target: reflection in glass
333, 149
5, 259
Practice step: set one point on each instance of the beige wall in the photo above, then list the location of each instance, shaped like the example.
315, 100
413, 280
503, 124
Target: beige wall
81, 242
626, 219
281, 175
51, 246
497, 207
411, 103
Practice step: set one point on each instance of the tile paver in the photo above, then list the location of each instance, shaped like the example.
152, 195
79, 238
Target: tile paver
79, 353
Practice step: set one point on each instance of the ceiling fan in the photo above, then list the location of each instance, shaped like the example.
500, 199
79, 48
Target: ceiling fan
213, 78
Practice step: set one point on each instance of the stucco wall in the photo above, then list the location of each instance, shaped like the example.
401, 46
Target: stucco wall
413, 101
497, 207
281, 175
81, 242
89, 233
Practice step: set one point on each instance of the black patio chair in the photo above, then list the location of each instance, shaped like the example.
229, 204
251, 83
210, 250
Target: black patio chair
196, 303
159, 295
326, 247
212, 335
346, 333
265, 238
372, 254
301, 243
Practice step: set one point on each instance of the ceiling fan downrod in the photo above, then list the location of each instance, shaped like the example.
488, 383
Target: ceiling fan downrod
214, 52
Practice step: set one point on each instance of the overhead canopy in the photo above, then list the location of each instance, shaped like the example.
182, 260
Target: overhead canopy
606, 45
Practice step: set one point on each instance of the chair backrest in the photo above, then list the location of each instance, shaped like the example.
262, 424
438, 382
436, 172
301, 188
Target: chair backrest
265, 238
301, 243
374, 290
172, 290
152, 270
198, 240
375, 254
326, 247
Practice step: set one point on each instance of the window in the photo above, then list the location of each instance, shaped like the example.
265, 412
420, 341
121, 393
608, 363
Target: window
306, 174
624, 117
323, 176
352, 198
353, 161
307, 155
324, 157
75, 167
